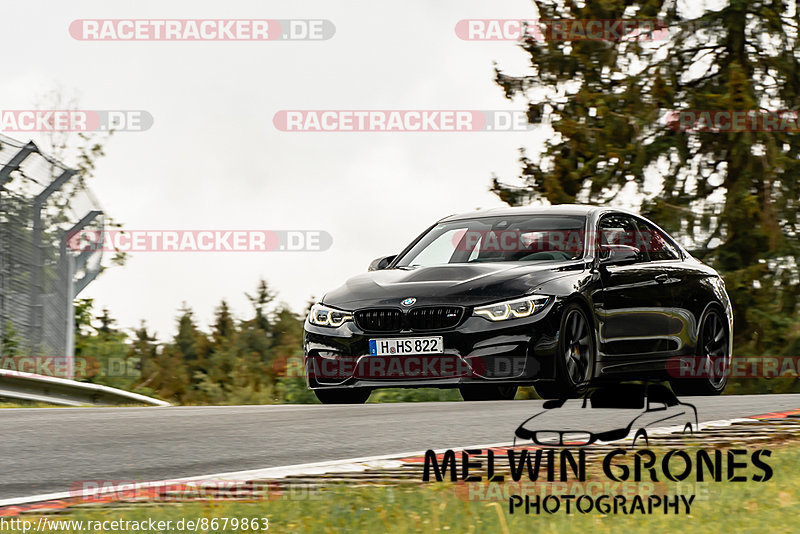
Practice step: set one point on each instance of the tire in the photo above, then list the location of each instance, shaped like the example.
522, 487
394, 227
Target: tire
488, 392
640, 434
575, 357
342, 396
713, 341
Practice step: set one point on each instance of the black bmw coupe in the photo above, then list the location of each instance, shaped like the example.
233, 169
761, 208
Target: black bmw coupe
555, 297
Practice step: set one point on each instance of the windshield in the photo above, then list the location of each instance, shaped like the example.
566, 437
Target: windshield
525, 238
622, 396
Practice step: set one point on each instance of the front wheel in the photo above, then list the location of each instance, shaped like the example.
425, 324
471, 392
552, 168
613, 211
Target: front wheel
488, 392
574, 363
342, 396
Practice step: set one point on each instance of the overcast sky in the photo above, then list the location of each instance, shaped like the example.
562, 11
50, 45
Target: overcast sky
214, 160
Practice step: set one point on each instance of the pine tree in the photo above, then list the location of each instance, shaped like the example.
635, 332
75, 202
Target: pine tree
731, 196
263, 298
144, 351
186, 352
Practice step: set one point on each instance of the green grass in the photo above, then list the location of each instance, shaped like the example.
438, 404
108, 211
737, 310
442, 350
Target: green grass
772, 506
31, 404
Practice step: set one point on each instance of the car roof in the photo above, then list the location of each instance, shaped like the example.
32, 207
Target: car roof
631, 388
557, 209
585, 210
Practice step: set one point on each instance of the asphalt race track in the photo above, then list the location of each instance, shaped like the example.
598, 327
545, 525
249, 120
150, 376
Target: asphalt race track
46, 450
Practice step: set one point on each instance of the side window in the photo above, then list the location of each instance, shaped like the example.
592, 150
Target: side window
655, 243
617, 229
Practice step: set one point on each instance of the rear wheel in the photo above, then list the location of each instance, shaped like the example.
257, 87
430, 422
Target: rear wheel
574, 363
342, 396
640, 436
713, 358
487, 392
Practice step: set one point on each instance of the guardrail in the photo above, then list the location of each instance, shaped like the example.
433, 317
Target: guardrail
64, 392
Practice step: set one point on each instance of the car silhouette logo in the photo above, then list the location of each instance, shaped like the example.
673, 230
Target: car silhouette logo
408, 302
608, 413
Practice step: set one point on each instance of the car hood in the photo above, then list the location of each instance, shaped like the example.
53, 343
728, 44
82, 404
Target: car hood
465, 284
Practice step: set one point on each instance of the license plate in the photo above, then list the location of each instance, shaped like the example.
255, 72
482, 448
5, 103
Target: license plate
406, 345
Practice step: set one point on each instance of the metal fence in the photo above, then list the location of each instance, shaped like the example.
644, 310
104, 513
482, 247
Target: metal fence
41, 202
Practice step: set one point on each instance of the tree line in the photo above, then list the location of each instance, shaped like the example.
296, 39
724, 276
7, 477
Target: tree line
256, 360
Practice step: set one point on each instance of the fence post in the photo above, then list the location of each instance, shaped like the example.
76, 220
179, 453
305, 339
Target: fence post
37, 266
70, 265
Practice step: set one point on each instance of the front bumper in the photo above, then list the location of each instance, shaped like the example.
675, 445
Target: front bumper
477, 351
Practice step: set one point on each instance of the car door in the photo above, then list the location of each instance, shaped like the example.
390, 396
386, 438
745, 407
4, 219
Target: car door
633, 306
680, 281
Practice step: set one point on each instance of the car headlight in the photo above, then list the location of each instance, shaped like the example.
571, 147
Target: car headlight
576, 438
323, 316
512, 309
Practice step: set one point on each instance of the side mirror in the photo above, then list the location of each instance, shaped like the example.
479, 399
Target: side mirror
379, 264
619, 254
